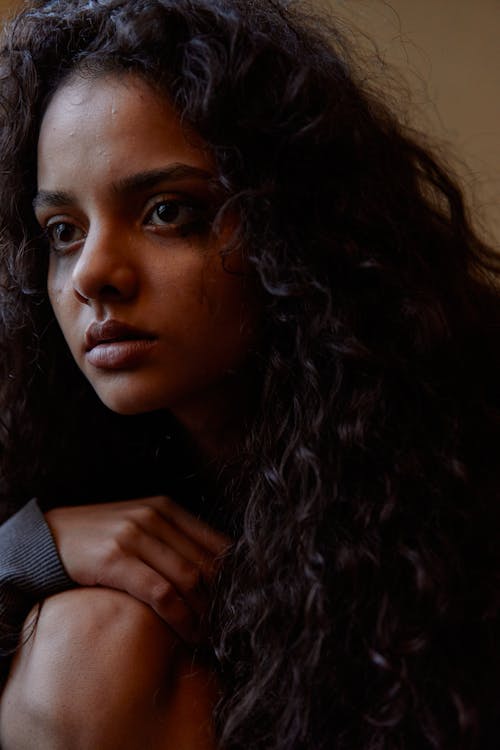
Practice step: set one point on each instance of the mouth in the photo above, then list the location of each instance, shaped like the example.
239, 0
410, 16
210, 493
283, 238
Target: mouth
113, 345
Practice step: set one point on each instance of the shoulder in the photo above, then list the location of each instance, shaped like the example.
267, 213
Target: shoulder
100, 666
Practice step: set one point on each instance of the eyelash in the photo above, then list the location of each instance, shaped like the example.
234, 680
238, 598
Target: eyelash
49, 234
197, 224
196, 209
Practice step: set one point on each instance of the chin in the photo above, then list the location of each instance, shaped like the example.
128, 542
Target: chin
127, 401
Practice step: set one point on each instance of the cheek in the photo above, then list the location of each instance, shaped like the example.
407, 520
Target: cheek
54, 283
236, 312
229, 285
58, 298
55, 294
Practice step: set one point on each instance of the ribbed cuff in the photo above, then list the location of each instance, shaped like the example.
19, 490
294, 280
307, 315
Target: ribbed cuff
30, 566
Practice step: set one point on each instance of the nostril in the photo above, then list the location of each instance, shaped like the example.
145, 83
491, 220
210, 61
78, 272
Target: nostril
81, 297
100, 275
108, 290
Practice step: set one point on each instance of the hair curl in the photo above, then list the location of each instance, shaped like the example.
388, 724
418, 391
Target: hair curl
359, 609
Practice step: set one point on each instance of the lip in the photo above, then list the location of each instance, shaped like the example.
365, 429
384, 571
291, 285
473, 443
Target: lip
114, 345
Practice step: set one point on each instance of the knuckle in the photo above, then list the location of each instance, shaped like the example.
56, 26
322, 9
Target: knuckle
165, 500
162, 595
165, 504
127, 533
145, 515
112, 552
192, 579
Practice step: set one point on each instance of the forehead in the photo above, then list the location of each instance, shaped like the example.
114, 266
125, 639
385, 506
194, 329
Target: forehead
113, 124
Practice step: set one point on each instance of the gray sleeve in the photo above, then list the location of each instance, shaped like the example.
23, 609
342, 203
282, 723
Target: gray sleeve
30, 567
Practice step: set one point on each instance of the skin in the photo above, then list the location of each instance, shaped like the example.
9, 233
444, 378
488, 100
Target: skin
101, 671
115, 257
126, 196
150, 548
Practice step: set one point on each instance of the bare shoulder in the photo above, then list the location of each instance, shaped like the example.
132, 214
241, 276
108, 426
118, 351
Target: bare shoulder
98, 668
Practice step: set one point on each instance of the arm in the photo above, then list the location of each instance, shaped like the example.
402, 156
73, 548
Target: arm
101, 670
30, 568
150, 548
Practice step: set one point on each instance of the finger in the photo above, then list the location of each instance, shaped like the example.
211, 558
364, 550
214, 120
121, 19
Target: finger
148, 519
190, 581
145, 584
199, 531
191, 578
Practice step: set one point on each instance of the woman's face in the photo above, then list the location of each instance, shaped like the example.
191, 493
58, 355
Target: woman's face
136, 280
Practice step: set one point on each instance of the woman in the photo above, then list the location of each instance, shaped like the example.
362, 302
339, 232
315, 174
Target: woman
276, 293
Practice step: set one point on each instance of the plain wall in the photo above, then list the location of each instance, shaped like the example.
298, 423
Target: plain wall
449, 53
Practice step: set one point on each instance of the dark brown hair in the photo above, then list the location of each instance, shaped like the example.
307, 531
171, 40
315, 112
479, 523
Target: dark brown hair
359, 609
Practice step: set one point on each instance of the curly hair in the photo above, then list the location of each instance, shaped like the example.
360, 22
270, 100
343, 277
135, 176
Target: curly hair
359, 608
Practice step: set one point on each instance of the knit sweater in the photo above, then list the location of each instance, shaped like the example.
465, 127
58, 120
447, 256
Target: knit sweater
30, 567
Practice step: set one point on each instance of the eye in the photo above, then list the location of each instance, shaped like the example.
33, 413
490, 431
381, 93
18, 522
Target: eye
176, 214
62, 235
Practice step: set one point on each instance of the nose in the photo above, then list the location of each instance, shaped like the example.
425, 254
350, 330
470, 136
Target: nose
104, 270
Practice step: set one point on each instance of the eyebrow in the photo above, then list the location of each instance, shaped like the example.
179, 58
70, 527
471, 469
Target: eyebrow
134, 183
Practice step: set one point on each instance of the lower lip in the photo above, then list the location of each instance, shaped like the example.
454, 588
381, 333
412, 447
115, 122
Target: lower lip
119, 355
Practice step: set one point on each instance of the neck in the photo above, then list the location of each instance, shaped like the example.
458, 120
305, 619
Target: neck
215, 425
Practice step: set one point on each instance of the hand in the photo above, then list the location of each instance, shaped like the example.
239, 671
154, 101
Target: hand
151, 548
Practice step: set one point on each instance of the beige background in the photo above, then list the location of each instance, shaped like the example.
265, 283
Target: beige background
449, 53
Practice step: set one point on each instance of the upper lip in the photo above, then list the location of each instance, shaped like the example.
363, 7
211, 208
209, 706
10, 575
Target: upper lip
109, 331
